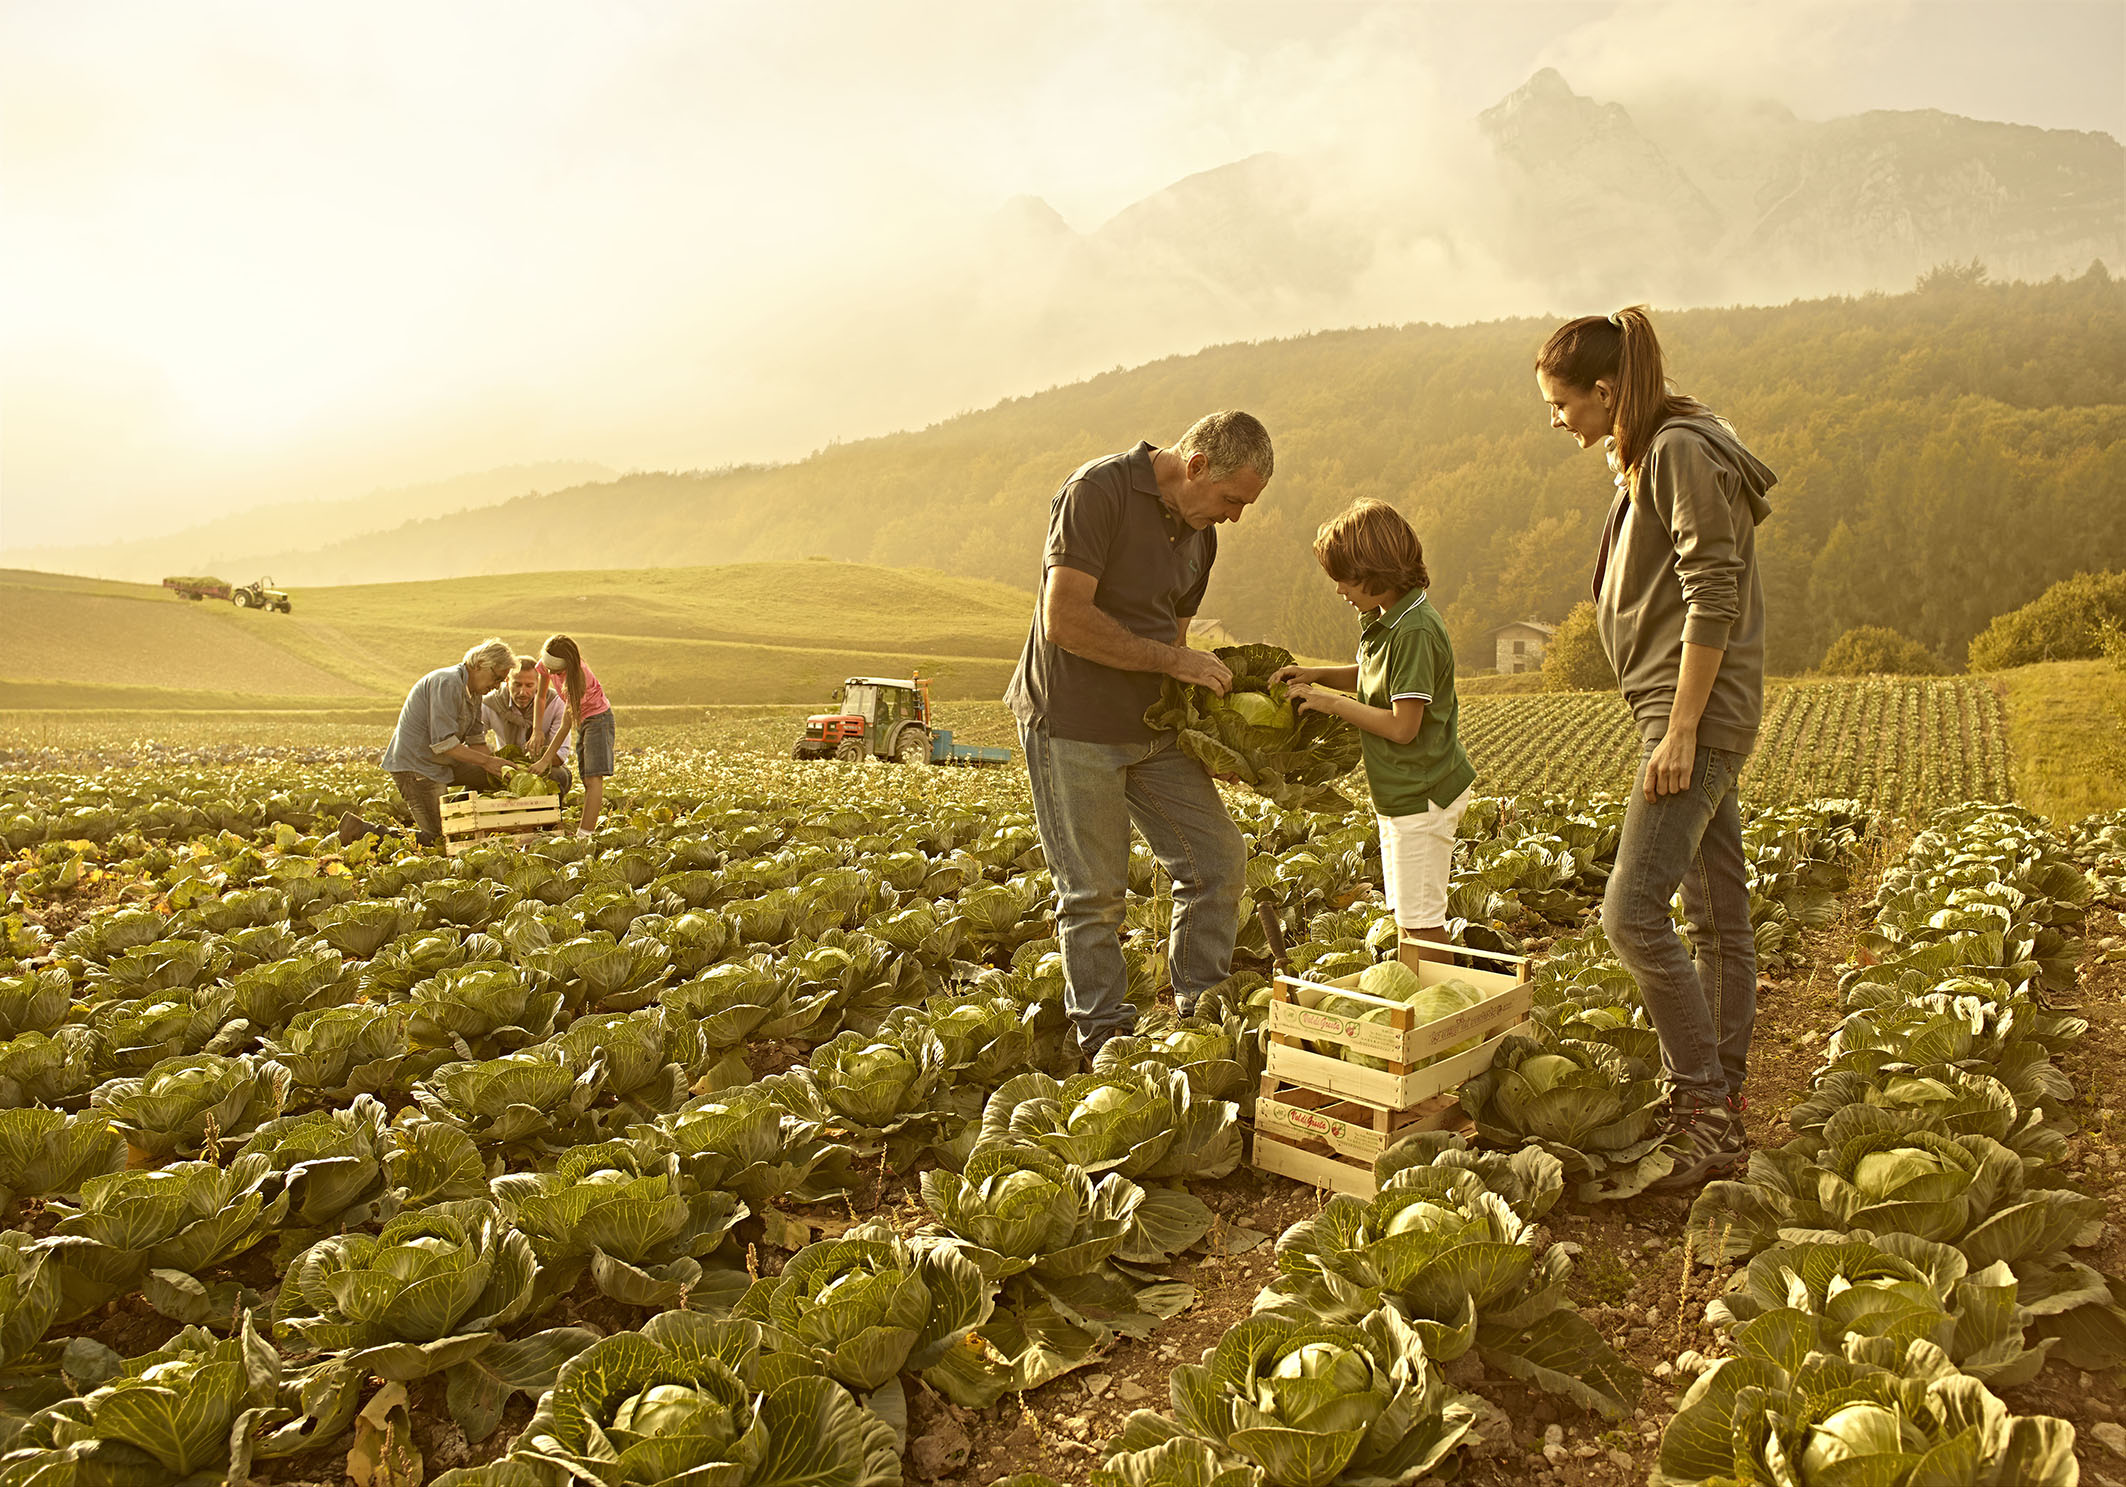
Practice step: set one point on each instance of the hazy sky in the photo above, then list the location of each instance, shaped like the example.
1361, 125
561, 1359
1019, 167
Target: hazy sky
264, 251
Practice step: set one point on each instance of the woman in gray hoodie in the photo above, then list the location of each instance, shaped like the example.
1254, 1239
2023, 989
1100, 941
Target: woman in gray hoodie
1681, 614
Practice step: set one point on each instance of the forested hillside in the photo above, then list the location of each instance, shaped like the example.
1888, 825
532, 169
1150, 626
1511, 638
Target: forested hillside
1944, 455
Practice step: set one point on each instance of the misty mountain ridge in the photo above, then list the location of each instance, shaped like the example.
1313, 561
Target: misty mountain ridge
1689, 201
1548, 201
247, 543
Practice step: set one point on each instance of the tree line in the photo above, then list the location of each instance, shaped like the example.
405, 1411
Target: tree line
1944, 457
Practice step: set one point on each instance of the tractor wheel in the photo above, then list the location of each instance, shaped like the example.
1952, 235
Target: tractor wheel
849, 751
243, 600
913, 747
285, 607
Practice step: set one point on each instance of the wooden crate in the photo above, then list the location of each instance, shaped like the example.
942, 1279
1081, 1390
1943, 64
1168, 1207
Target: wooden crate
1352, 1128
1398, 1040
1321, 1165
469, 818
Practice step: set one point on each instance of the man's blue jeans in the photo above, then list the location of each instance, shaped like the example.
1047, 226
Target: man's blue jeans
1692, 840
1086, 796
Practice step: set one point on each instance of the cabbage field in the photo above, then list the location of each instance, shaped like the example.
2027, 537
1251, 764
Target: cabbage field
744, 1144
1899, 744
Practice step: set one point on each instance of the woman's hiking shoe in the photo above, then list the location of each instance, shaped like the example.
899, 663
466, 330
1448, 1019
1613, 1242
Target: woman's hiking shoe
1709, 1144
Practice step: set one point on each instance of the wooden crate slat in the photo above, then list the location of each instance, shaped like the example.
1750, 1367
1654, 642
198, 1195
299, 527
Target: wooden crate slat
1336, 1076
499, 811
1295, 1011
1318, 1166
471, 819
1313, 1168
1349, 1127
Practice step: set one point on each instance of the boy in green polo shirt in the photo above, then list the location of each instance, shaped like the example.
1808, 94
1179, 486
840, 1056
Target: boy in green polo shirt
1403, 707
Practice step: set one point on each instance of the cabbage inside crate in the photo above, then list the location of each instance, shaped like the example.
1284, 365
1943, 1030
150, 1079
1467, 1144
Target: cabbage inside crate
1324, 1119
469, 818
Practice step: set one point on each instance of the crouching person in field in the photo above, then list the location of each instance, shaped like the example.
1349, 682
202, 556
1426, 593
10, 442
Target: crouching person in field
510, 712
441, 740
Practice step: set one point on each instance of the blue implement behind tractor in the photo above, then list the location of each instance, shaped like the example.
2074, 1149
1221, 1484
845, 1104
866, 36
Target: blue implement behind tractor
944, 751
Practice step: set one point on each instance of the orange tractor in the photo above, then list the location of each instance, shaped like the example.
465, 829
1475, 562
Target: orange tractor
887, 718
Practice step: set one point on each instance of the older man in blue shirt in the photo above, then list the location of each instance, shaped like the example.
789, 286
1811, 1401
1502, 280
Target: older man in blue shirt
441, 739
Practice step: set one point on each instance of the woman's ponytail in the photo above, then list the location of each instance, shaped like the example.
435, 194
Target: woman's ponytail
1643, 397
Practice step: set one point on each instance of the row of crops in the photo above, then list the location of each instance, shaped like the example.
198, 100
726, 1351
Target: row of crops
1904, 745
1909, 1250
1905, 1255
488, 1127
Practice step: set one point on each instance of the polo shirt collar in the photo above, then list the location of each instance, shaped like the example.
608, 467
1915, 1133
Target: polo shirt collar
1393, 615
1142, 479
1140, 467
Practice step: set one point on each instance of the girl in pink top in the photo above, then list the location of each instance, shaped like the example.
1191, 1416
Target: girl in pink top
589, 714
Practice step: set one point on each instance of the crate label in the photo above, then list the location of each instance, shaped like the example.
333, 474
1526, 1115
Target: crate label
1310, 1120
1326, 1022
1469, 1019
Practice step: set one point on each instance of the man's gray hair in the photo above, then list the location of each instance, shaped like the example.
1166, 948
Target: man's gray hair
1229, 441
495, 654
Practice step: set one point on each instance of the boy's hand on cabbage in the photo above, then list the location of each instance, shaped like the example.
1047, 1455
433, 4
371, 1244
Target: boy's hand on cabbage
1309, 698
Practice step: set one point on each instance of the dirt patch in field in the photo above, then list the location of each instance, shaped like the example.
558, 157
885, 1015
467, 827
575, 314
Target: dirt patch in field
1059, 1427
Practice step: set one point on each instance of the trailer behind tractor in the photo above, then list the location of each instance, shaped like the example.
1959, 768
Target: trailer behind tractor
258, 594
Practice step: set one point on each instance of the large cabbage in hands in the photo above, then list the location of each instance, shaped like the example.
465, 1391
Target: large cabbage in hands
1256, 735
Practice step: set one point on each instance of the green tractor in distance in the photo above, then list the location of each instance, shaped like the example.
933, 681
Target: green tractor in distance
887, 718
260, 594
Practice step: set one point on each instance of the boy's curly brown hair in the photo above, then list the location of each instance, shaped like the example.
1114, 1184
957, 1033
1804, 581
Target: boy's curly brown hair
1369, 544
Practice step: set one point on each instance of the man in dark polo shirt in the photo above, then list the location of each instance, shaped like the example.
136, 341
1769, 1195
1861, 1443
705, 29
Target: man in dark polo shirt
1131, 539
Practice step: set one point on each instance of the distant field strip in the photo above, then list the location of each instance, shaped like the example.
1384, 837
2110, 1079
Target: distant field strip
1902, 744
96, 639
751, 633
1549, 741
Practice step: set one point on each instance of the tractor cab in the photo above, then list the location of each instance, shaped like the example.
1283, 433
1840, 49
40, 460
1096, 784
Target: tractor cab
883, 717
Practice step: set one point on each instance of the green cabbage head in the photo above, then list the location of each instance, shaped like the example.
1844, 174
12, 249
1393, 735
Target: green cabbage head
1312, 1403
1856, 1430
1880, 1173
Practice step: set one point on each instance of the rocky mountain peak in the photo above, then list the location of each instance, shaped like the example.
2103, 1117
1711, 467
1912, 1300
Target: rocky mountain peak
1543, 114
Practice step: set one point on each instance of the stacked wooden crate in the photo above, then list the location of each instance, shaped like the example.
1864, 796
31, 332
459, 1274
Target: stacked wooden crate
469, 818
1325, 1120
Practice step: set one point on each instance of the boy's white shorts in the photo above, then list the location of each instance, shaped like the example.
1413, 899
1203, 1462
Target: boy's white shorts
1415, 855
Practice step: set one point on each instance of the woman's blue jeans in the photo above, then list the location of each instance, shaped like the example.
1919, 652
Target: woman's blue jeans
1693, 841
1086, 796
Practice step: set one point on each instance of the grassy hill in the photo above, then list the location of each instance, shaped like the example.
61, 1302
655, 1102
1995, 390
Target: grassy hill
230, 544
2063, 720
750, 632
1944, 456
